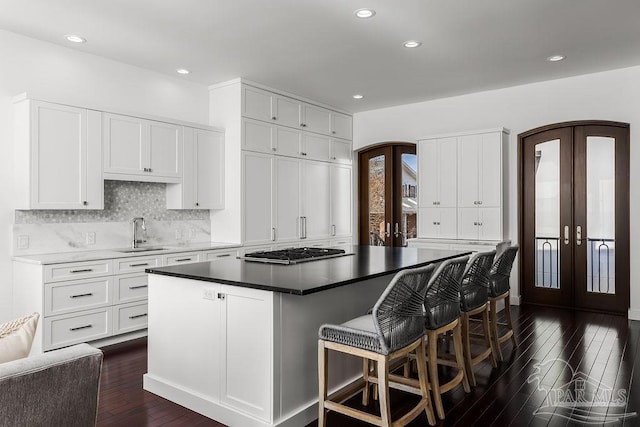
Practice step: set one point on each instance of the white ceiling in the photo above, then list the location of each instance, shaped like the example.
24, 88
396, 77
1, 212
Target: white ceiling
319, 50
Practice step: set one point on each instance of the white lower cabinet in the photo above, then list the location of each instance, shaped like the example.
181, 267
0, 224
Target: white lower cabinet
437, 223
480, 223
315, 194
217, 255
77, 327
130, 317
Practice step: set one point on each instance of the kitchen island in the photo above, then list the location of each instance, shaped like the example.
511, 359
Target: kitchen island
237, 340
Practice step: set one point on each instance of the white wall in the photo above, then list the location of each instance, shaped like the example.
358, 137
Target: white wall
57, 73
611, 95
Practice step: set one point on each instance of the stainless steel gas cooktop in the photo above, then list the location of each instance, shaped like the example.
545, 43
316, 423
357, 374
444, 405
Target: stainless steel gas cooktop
294, 255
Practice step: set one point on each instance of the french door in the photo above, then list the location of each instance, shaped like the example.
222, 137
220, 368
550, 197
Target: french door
574, 201
387, 188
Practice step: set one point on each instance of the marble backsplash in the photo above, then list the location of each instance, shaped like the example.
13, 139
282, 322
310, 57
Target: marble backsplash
49, 231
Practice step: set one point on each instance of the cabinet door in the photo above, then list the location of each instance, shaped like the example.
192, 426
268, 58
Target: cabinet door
124, 144
491, 170
60, 155
256, 103
286, 198
341, 151
341, 125
429, 223
448, 177
246, 350
257, 171
316, 119
469, 149
316, 200
316, 147
468, 223
287, 111
257, 136
287, 141
341, 200
448, 223
164, 152
428, 173
209, 167
490, 220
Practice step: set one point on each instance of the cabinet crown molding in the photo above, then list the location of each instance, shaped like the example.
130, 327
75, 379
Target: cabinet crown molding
469, 132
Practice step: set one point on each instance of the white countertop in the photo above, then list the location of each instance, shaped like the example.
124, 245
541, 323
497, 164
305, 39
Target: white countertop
78, 256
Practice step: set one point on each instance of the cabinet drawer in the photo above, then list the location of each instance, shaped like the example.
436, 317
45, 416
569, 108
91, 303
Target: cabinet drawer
77, 270
181, 258
130, 287
75, 295
219, 255
61, 331
136, 264
129, 317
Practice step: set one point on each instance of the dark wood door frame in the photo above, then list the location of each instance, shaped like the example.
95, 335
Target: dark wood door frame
618, 129
391, 151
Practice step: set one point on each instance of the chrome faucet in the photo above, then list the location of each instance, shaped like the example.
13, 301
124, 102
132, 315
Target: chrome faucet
143, 226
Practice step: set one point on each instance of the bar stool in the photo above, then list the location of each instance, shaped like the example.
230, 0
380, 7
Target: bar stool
499, 290
474, 299
393, 330
442, 307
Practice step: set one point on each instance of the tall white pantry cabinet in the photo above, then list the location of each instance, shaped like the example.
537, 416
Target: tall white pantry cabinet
462, 185
292, 159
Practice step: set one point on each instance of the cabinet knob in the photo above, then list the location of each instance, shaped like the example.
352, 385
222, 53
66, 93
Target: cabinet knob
197, 204
333, 158
221, 295
303, 125
304, 154
479, 202
475, 223
274, 149
150, 170
333, 132
85, 203
480, 224
274, 118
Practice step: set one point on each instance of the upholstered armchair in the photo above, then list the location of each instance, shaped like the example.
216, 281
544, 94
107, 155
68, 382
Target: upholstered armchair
57, 388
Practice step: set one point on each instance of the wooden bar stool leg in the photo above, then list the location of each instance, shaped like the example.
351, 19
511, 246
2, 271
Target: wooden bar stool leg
487, 336
365, 377
432, 347
457, 345
383, 391
322, 383
466, 341
494, 328
507, 307
423, 377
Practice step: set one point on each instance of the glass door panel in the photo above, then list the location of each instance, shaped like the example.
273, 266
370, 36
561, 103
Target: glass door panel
600, 234
408, 220
377, 220
547, 214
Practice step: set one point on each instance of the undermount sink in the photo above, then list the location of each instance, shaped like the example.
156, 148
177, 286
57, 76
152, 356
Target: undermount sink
145, 249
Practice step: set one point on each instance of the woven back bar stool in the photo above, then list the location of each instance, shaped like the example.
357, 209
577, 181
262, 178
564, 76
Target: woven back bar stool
499, 290
393, 330
474, 300
442, 315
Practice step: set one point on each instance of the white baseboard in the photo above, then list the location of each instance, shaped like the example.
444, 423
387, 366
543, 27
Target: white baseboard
515, 300
634, 314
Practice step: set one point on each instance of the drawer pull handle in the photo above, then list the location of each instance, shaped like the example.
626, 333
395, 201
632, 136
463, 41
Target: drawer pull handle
184, 259
139, 265
84, 270
81, 295
137, 316
138, 287
80, 327
222, 255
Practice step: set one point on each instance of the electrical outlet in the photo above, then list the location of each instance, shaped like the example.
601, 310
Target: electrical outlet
23, 242
209, 293
91, 238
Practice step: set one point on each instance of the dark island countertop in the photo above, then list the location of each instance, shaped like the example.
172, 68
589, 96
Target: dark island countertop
367, 262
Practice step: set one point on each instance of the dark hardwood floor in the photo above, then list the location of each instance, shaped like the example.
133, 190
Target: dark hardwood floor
600, 351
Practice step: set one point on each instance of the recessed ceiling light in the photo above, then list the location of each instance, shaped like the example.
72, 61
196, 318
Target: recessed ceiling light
365, 13
555, 58
75, 38
412, 43
182, 71
358, 96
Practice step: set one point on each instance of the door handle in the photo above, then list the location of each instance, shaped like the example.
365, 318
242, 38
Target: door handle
396, 231
578, 235
388, 232
566, 234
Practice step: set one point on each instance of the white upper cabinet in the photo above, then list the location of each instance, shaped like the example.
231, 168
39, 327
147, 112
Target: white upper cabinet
316, 147
203, 172
142, 150
257, 103
480, 170
341, 125
257, 136
437, 169
58, 152
288, 142
316, 119
341, 151
287, 111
